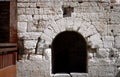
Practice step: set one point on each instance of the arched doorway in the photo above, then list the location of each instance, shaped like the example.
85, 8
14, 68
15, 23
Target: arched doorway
69, 53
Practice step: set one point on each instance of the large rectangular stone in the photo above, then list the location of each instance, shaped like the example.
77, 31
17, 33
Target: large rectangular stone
79, 74
22, 27
115, 17
22, 18
108, 41
30, 44
62, 75
117, 41
21, 11
30, 35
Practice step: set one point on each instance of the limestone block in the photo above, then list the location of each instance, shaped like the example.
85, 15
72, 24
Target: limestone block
108, 41
29, 18
116, 8
47, 38
91, 30
36, 66
37, 26
102, 53
54, 26
36, 58
57, 16
29, 51
117, 63
21, 11
33, 0
116, 29
32, 5
36, 17
46, 17
30, 44
30, 11
41, 4
22, 18
23, 0
47, 54
100, 27
117, 41
40, 11
62, 23
106, 71
32, 26
49, 32
22, 27
95, 41
102, 70
36, 11
108, 1
114, 16
93, 71
113, 29
30, 35
22, 5
93, 17
79, 74
45, 11
90, 7
62, 75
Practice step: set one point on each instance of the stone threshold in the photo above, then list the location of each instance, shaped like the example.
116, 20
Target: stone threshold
71, 75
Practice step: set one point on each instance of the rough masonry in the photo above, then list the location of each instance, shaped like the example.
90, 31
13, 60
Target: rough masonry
97, 20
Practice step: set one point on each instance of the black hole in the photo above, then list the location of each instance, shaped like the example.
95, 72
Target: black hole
111, 30
38, 7
80, 1
109, 19
67, 11
112, 55
111, 7
32, 15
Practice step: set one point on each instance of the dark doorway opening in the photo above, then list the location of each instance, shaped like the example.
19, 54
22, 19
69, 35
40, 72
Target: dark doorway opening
4, 21
69, 53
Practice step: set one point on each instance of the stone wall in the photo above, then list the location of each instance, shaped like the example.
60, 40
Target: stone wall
97, 20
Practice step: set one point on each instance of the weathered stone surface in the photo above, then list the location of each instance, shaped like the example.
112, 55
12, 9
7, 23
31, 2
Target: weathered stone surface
22, 18
22, 27
79, 74
114, 16
102, 53
21, 11
36, 25
117, 62
97, 20
62, 75
108, 41
30, 35
47, 38
47, 54
30, 44
101, 68
113, 29
36, 66
117, 41
95, 41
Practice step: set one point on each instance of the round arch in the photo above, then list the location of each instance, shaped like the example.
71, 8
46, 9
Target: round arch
69, 53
